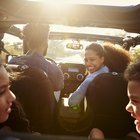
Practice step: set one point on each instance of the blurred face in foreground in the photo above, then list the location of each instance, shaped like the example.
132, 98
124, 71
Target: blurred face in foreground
6, 96
133, 106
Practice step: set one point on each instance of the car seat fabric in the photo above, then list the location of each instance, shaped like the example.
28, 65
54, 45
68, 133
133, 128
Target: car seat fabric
34, 91
107, 99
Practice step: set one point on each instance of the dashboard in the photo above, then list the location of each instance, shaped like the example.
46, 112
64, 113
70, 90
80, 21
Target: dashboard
74, 74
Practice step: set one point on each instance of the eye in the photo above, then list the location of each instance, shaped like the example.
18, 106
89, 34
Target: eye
2, 91
134, 101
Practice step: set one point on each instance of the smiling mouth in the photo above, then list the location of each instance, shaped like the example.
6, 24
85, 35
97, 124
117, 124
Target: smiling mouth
91, 68
136, 122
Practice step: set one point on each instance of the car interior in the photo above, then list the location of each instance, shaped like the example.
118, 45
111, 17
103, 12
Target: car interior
100, 108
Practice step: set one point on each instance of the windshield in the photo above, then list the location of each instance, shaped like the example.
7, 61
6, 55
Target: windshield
60, 36
58, 52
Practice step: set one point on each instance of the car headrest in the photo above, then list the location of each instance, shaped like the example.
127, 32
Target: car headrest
107, 99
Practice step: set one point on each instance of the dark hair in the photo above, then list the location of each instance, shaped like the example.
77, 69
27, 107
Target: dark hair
35, 93
36, 33
17, 120
132, 71
97, 48
116, 58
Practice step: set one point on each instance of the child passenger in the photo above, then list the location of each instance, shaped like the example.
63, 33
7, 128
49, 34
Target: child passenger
11, 114
94, 62
6, 96
132, 75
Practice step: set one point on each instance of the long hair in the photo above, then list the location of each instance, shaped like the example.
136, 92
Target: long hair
116, 58
17, 120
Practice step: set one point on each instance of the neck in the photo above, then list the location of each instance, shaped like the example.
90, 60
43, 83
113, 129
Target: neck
35, 51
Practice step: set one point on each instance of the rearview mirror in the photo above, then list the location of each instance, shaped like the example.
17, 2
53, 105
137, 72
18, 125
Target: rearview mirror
75, 46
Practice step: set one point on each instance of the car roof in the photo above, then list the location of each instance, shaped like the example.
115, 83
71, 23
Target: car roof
23, 11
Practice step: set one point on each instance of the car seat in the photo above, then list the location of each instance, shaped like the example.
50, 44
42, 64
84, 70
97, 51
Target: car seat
33, 89
107, 99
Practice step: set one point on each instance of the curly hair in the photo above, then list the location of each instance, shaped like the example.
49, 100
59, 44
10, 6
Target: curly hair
116, 58
132, 71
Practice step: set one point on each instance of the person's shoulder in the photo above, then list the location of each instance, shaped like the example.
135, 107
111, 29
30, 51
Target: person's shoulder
51, 63
53, 66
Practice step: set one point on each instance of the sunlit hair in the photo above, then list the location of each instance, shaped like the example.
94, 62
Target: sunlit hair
116, 58
18, 117
36, 33
132, 71
96, 48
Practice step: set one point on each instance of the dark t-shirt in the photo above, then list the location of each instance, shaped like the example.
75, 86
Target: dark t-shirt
53, 71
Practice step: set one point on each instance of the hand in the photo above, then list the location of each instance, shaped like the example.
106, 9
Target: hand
96, 133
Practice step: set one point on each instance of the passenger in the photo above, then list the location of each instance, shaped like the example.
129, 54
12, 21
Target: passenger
12, 117
94, 62
36, 39
6, 96
114, 58
132, 75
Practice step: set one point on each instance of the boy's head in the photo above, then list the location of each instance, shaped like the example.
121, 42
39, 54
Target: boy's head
132, 75
94, 57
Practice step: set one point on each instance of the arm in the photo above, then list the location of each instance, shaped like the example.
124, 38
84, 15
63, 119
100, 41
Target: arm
76, 97
79, 94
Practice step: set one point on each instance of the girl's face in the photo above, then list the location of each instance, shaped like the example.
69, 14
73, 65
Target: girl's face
6, 96
93, 62
133, 106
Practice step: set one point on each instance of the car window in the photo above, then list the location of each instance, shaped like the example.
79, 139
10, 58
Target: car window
61, 35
